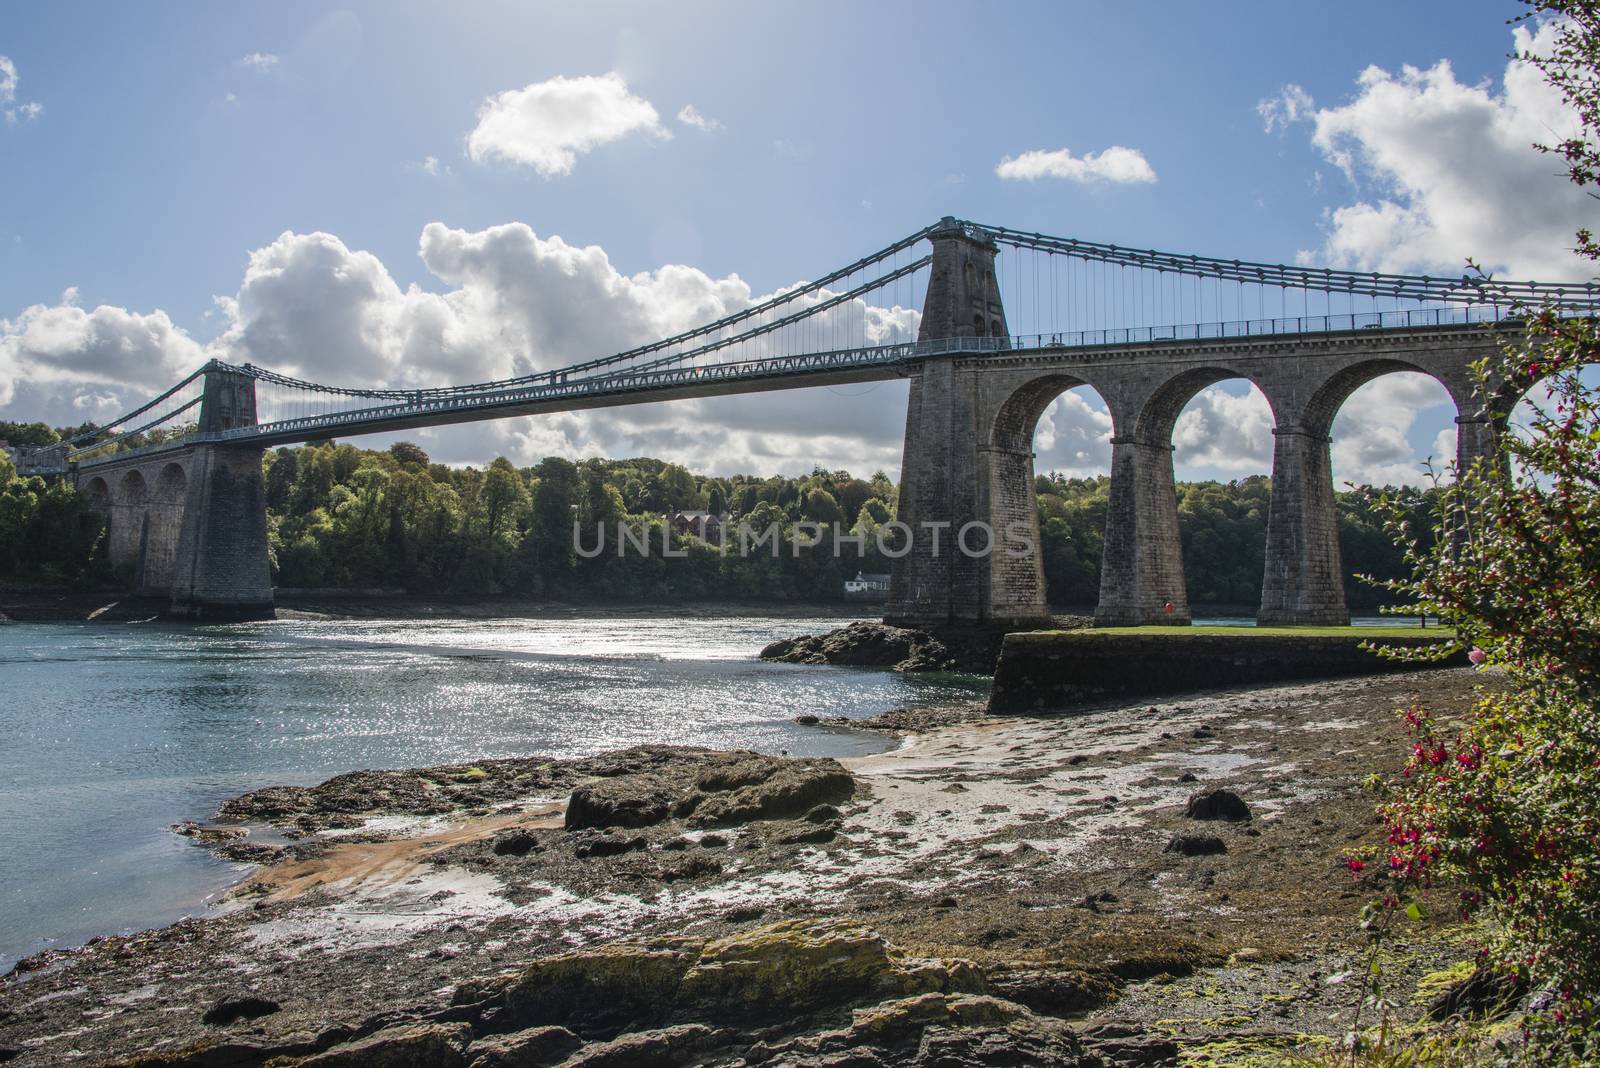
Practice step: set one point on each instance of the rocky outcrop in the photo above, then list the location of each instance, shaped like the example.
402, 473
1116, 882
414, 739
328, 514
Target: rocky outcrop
866, 644
724, 788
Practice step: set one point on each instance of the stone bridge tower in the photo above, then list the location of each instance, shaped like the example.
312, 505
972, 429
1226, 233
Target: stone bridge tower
221, 571
945, 479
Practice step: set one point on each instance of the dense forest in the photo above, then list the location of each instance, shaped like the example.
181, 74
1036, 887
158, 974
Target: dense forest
345, 517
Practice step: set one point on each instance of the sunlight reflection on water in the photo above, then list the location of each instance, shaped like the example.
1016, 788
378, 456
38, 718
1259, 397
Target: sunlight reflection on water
110, 734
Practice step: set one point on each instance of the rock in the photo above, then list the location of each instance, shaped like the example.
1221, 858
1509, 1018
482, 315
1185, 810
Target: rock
1196, 845
758, 788
1217, 805
517, 842
428, 1045
691, 867
207, 834
713, 841
1019, 1044
866, 644
1051, 991
1128, 1047
802, 964
536, 1045
818, 835
664, 1048
609, 845
599, 990
1483, 994
804, 721
244, 1007
823, 814
640, 800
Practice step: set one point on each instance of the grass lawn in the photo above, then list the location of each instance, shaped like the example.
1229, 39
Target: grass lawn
1249, 632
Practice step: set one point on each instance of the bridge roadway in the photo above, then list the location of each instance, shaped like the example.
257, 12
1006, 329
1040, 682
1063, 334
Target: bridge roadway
1378, 334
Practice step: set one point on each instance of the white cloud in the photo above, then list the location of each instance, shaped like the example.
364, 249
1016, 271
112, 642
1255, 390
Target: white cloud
1116, 164
1447, 171
12, 111
689, 115
546, 125
1292, 104
1074, 435
431, 166
67, 351
1225, 432
512, 303
260, 62
1372, 433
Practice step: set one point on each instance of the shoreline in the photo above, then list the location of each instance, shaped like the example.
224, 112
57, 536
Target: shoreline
1024, 846
47, 606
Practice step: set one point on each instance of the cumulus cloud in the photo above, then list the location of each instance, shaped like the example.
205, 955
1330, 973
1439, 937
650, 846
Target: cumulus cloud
1447, 171
1279, 112
13, 111
689, 115
1074, 435
1116, 165
547, 125
71, 352
1225, 432
1372, 434
260, 62
513, 302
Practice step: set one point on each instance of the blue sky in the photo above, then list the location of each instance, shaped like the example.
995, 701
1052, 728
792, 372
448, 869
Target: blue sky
161, 157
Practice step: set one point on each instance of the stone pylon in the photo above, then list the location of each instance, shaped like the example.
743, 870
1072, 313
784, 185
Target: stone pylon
221, 572
948, 573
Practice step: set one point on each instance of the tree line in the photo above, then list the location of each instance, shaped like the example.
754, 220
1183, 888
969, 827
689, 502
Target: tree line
345, 517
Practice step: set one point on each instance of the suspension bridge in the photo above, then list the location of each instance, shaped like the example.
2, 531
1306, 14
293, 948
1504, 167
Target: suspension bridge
179, 477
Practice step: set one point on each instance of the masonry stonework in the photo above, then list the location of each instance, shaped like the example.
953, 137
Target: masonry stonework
968, 455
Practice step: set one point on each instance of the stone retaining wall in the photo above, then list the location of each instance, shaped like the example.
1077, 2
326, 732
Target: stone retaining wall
1045, 670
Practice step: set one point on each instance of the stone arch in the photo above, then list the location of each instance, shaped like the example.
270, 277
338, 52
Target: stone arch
1317, 417
995, 329
132, 490
1016, 584
172, 484
978, 329
1303, 578
164, 525
1159, 414
1014, 421
99, 494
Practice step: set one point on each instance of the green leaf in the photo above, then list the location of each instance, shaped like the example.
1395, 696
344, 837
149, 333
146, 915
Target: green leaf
1414, 911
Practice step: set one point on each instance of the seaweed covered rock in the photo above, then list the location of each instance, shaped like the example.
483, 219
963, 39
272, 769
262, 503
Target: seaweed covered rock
865, 644
424, 1045
590, 991
758, 788
536, 1045
803, 964
640, 800
722, 788
1217, 805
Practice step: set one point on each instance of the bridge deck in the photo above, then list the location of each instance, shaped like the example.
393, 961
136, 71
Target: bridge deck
554, 393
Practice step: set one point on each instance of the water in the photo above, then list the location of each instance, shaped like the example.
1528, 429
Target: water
109, 734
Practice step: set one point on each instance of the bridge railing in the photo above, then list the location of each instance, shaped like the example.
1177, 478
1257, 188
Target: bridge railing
1301, 324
